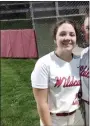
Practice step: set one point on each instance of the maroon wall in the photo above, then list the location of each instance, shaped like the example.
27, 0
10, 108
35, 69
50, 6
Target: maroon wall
18, 43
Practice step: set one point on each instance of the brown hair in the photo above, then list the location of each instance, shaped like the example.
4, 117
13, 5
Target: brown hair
58, 24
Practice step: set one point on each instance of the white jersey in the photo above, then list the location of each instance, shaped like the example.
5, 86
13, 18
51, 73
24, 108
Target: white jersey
85, 74
62, 80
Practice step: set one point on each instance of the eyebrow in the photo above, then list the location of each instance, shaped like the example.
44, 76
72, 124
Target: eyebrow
65, 31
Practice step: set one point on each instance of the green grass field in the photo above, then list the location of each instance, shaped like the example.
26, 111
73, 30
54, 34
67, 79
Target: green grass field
18, 107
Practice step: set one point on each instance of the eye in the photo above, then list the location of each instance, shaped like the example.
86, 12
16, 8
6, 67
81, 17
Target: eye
72, 34
62, 33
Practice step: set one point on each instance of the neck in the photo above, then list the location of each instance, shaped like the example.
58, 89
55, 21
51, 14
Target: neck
67, 56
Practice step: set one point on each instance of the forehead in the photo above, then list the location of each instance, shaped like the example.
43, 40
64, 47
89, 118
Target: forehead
66, 27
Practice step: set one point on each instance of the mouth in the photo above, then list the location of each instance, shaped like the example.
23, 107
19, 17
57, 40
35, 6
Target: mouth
67, 44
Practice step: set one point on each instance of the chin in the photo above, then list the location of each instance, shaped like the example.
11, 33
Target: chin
70, 48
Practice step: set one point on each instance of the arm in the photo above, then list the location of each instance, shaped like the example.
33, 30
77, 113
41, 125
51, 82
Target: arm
41, 97
40, 79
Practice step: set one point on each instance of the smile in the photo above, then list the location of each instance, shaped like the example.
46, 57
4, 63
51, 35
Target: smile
66, 44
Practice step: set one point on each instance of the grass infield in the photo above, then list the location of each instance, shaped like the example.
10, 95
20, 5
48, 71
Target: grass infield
18, 107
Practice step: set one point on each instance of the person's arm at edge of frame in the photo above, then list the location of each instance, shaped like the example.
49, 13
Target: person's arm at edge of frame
41, 97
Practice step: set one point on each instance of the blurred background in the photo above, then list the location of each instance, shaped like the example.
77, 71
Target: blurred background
40, 16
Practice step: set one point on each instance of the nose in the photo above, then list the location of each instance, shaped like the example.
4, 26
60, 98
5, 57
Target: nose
67, 37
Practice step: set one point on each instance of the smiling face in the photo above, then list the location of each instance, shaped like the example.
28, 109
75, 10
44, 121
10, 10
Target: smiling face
65, 37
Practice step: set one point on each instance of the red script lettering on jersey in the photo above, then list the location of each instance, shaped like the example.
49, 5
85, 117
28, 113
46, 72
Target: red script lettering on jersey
67, 82
84, 71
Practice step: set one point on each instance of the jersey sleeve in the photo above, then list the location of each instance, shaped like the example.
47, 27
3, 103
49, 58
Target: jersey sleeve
40, 75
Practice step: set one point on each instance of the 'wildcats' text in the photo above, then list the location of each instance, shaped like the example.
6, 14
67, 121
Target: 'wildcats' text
67, 82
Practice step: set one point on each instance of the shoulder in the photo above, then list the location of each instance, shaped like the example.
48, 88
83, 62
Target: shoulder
84, 52
40, 73
44, 61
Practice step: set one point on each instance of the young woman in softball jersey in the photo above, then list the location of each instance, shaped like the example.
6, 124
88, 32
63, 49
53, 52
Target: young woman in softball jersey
55, 79
85, 73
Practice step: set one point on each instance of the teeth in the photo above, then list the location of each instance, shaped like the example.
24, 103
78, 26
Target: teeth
67, 43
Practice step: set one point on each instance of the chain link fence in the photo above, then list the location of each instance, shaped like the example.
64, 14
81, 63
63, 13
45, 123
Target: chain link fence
41, 16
